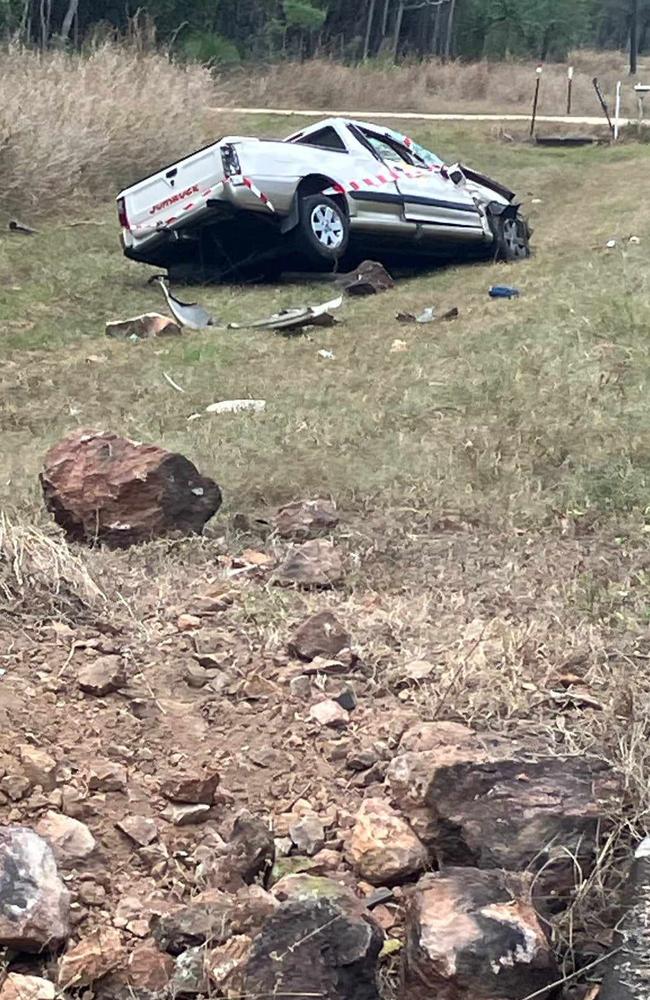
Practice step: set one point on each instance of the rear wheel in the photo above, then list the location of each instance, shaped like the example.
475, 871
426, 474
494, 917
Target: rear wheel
323, 229
511, 237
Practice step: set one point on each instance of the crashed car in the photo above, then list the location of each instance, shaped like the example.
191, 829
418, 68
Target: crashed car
339, 190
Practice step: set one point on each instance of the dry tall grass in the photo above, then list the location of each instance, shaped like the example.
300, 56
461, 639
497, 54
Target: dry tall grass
434, 86
73, 125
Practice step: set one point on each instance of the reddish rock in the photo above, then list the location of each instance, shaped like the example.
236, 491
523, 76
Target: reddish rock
383, 848
140, 829
70, 839
226, 964
425, 749
329, 713
314, 564
187, 815
473, 933
102, 676
306, 519
519, 814
319, 635
148, 968
190, 787
106, 776
102, 487
101, 952
17, 987
38, 766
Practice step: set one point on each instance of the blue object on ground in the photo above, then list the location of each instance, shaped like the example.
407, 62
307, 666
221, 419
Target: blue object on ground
503, 292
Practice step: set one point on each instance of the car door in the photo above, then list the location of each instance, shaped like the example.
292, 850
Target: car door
429, 198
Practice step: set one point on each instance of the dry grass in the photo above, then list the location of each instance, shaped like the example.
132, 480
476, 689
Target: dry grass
434, 86
72, 126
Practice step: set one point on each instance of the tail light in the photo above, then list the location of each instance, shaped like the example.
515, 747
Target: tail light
230, 160
121, 213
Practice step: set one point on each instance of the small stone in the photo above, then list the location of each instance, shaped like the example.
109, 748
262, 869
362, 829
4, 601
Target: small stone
361, 760
300, 687
329, 713
17, 987
306, 519
196, 676
39, 767
314, 564
319, 635
15, 786
102, 676
149, 969
414, 672
34, 903
140, 829
187, 623
347, 699
383, 848
134, 915
107, 776
70, 839
186, 815
94, 956
283, 846
92, 894
190, 787
308, 835
327, 860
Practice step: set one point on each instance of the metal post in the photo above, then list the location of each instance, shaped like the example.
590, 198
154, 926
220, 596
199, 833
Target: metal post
569, 89
535, 100
603, 104
617, 111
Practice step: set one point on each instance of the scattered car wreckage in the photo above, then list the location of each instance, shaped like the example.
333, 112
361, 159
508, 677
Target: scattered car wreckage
333, 193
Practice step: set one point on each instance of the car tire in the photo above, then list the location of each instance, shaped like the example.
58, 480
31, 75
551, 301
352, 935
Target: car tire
511, 237
323, 229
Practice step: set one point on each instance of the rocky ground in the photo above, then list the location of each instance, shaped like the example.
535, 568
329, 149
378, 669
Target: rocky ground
191, 810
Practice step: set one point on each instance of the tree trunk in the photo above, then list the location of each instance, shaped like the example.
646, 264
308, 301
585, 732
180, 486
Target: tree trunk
366, 41
450, 28
398, 28
634, 36
435, 45
384, 21
68, 20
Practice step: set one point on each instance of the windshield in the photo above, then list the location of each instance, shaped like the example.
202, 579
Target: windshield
426, 155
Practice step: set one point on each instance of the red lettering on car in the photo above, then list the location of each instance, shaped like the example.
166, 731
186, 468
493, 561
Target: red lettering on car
168, 202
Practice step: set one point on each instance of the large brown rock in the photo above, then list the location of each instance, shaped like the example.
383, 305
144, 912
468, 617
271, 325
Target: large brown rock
315, 947
473, 934
34, 903
319, 635
92, 958
383, 848
478, 802
102, 487
191, 787
148, 968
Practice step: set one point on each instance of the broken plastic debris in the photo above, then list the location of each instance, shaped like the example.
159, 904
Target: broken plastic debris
143, 327
503, 292
328, 355
610, 244
398, 346
635, 240
295, 319
427, 316
237, 406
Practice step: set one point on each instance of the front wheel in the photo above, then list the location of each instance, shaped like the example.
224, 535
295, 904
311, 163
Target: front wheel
511, 237
323, 229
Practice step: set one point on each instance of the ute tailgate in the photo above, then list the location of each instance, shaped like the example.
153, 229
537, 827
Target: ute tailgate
174, 193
